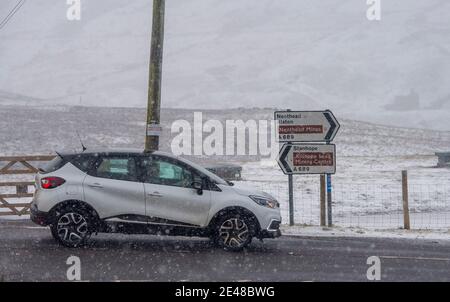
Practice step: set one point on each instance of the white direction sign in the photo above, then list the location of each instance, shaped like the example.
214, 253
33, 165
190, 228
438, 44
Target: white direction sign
307, 159
306, 126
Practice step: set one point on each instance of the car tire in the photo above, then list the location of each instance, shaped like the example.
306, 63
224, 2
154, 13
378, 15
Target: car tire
233, 231
72, 227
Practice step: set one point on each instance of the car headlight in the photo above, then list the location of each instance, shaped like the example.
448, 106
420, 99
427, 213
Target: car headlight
265, 202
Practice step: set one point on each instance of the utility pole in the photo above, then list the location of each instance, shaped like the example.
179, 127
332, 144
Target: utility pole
153, 130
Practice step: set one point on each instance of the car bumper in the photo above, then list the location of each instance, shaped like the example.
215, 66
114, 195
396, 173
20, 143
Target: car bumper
38, 217
273, 231
269, 234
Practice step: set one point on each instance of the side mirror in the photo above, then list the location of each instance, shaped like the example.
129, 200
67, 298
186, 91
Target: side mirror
198, 186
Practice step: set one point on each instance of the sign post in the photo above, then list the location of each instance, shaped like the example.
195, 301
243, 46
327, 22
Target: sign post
329, 201
323, 200
291, 197
291, 200
299, 130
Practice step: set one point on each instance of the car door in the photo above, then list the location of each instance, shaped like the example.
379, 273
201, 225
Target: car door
169, 194
113, 189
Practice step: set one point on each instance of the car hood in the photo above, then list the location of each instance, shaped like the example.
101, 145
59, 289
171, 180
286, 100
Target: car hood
246, 190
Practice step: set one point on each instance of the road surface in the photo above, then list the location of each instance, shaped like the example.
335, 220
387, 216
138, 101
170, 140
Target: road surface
29, 253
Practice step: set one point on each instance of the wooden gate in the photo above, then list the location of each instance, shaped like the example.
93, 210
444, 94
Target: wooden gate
12, 166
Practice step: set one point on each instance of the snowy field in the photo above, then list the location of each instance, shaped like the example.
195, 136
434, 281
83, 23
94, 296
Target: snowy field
367, 186
367, 192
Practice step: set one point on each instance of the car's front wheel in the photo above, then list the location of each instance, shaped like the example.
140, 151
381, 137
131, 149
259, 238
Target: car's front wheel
233, 232
72, 227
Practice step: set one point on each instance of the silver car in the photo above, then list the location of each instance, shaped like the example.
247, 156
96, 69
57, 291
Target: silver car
129, 191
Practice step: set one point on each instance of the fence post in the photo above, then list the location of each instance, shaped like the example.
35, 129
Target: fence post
405, 195
329, 201
323, 209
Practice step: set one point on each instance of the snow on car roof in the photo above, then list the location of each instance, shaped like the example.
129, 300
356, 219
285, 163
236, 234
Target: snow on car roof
114, 150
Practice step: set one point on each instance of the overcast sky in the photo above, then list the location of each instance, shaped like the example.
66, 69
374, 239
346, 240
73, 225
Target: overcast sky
296, 54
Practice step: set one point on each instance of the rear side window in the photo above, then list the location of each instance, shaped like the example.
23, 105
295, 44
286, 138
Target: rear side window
119, 168
83, 162
53, 165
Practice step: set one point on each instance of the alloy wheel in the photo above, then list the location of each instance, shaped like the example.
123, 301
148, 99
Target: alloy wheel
234, 233
72, 228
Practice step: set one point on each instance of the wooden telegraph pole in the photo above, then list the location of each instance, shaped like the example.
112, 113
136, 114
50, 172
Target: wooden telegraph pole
153, 130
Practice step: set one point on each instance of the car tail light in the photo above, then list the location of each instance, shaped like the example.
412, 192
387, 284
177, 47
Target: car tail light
51, 182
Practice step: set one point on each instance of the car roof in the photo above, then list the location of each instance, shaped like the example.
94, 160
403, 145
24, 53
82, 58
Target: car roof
123, 151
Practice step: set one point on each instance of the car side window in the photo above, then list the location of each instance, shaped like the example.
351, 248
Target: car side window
119, 168
84, 162
165, 172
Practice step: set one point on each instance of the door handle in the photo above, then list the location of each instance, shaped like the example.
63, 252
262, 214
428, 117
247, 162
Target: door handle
155, 194
95, 185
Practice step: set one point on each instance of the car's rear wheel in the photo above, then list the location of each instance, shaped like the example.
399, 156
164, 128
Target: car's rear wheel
233, 232
72, 227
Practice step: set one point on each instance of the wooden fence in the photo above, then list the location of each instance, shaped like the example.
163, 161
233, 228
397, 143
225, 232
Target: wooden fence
18, 165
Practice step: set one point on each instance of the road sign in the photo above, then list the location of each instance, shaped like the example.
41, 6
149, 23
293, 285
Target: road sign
307, 159
306, 126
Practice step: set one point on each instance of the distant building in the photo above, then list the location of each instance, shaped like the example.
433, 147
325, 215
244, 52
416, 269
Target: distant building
443, 159
226, 171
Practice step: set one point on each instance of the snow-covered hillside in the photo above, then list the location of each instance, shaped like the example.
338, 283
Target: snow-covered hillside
367, 187
44, 129
219, 54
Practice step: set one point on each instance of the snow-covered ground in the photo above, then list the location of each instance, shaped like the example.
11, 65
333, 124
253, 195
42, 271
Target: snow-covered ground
367, 186
367, 192
297, 230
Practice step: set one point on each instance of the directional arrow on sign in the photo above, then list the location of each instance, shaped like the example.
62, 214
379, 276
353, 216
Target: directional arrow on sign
306, 126
334, 126
282, 159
